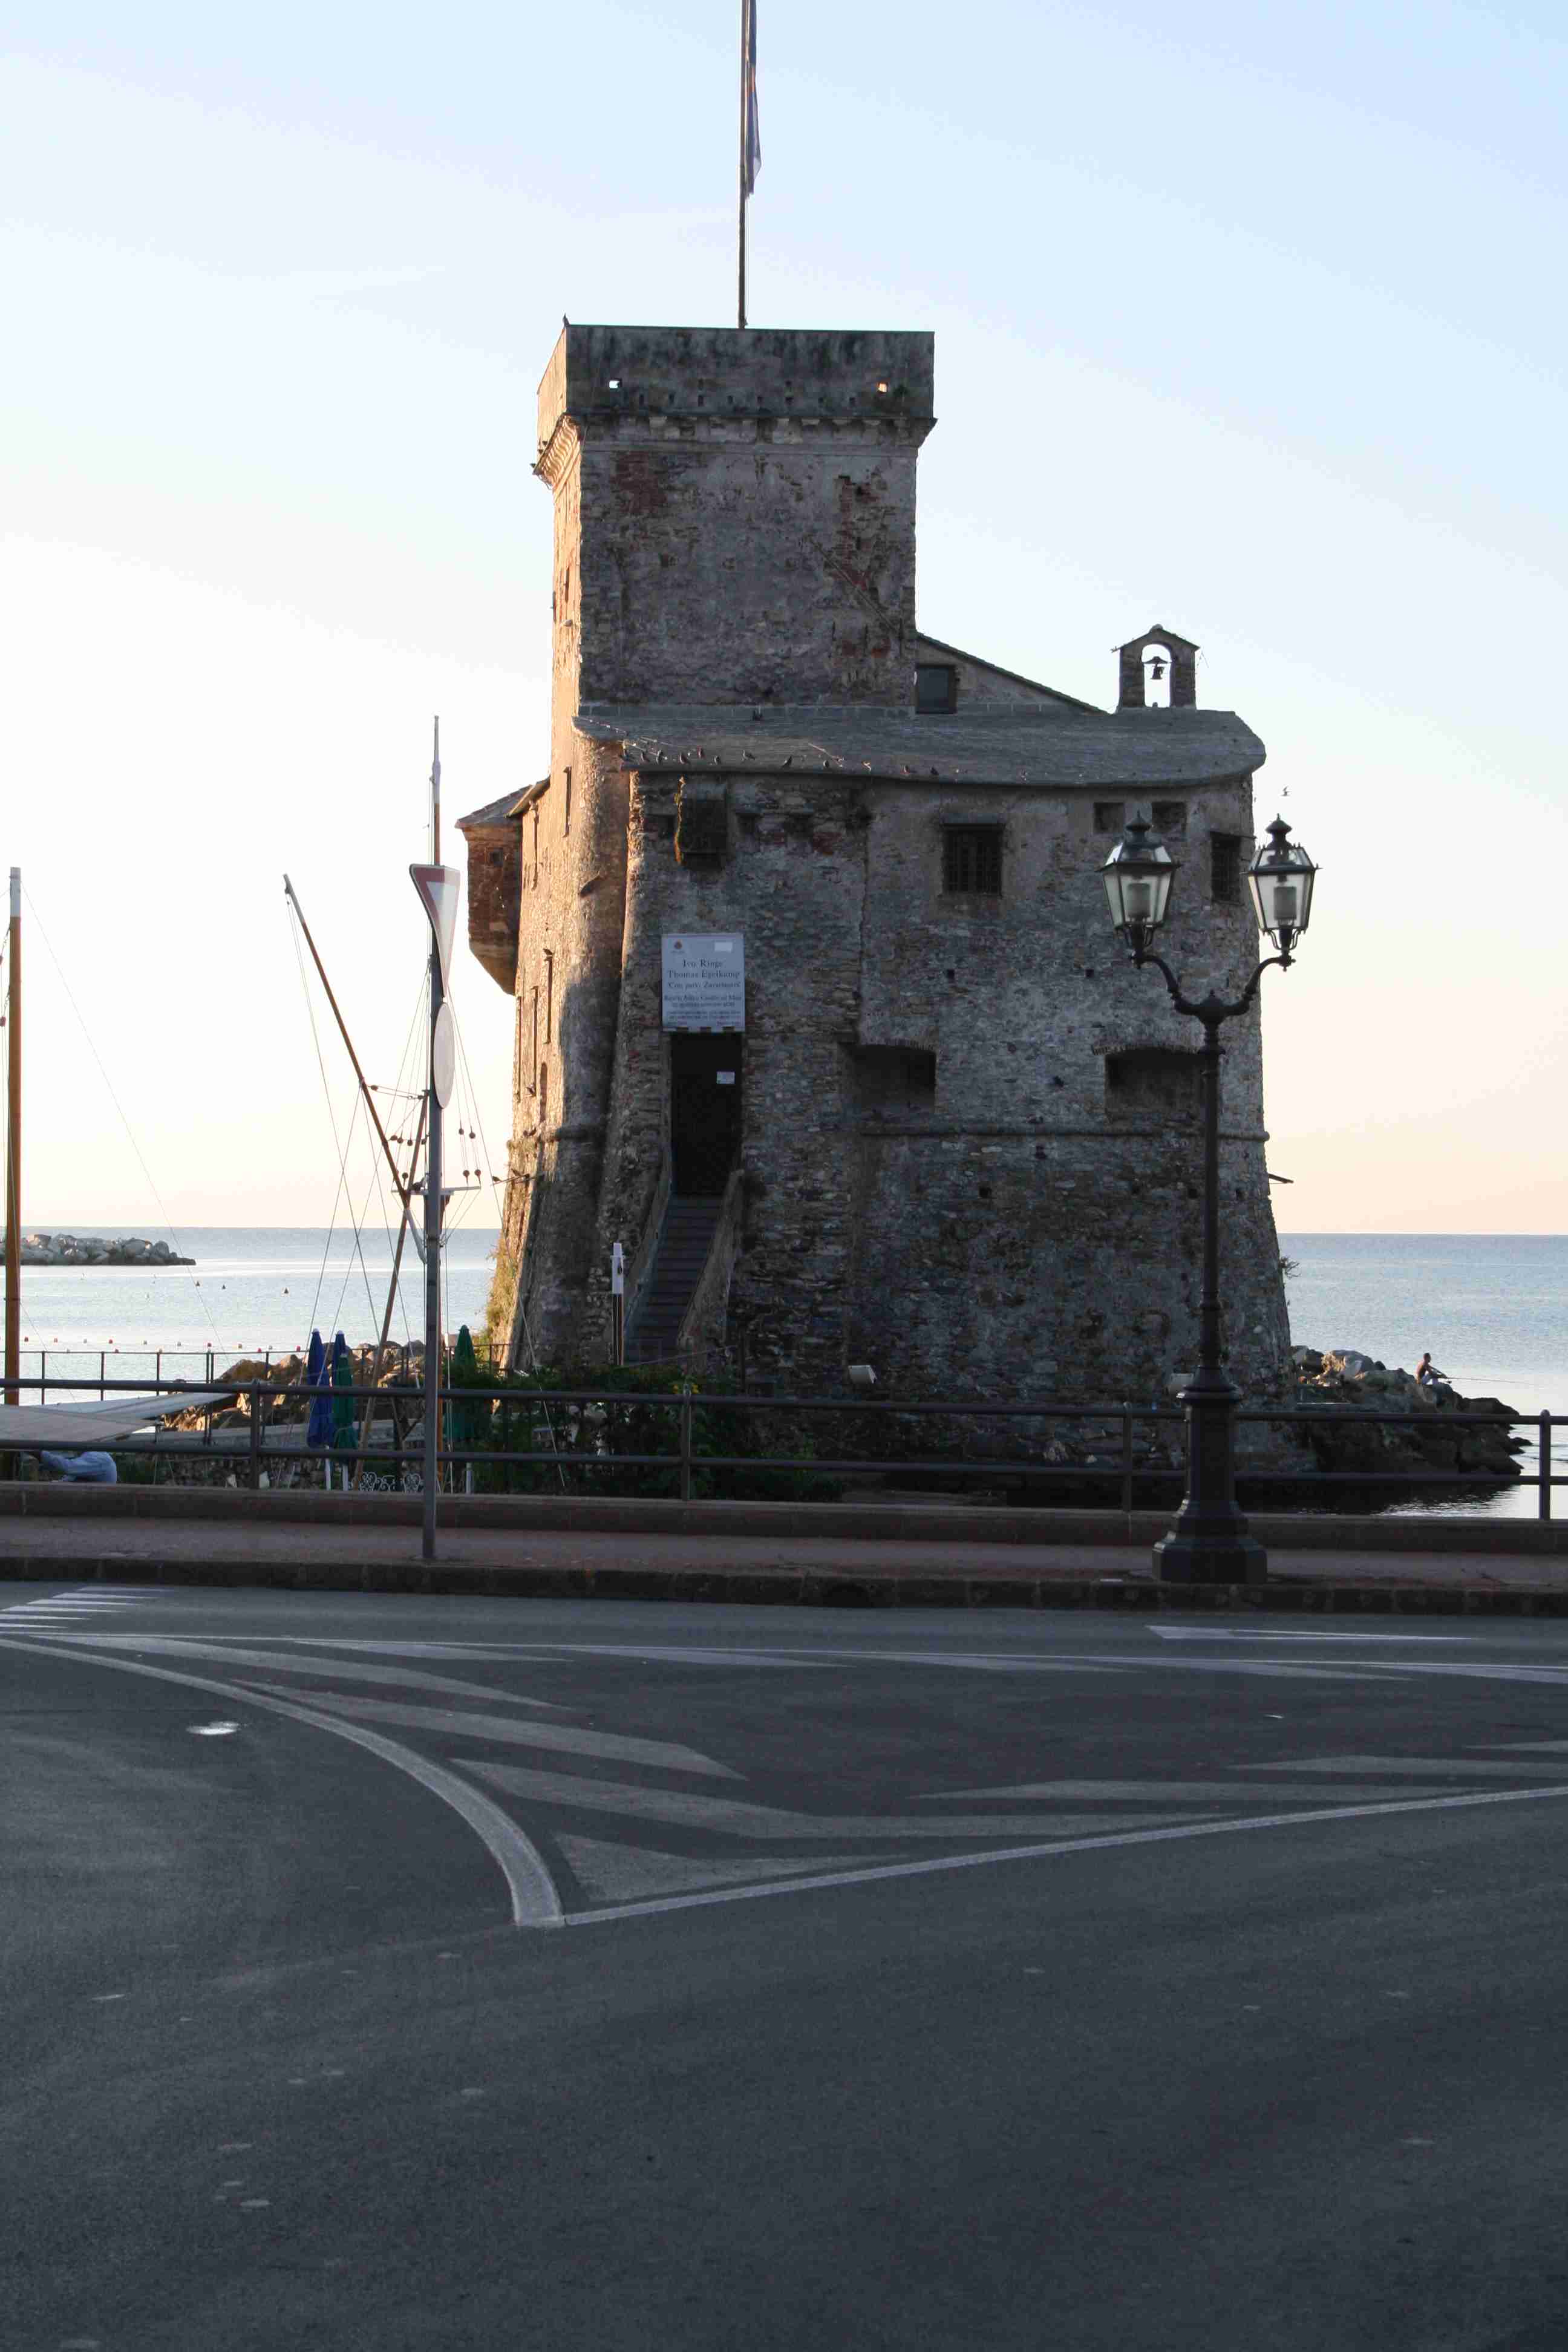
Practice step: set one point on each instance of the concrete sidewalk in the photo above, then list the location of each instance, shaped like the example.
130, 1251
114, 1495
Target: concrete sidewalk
926, 1566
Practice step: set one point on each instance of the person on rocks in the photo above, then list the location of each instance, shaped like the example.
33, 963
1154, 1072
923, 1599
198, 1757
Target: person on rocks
1427, 1373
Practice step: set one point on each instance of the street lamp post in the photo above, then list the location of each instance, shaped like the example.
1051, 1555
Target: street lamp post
1208, 1543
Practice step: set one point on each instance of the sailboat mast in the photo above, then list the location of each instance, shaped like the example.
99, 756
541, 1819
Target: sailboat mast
14, 1147
432, 1206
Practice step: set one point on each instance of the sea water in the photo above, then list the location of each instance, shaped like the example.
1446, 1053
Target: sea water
1491, 1309
253, 1289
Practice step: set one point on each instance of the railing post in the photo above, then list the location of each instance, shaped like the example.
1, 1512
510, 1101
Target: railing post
101, 1362
1544, 1467
254, 1436
1127, 1459
686, 1449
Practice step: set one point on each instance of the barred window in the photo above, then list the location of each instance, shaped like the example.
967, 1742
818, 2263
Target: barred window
972, 859
1224, 868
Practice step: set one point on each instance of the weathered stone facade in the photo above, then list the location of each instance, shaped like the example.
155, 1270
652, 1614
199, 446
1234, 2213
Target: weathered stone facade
966, 1131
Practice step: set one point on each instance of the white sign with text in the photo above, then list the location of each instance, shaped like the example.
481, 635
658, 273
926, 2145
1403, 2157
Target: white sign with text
704, 981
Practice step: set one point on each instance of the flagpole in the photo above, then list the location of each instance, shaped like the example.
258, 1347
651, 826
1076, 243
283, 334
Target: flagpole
741, 302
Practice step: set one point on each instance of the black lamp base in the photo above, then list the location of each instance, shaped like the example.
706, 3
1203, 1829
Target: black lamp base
1214, 1558
1208, 1543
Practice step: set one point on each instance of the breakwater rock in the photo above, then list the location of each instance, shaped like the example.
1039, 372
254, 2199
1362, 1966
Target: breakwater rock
90, 1249
1446, 1431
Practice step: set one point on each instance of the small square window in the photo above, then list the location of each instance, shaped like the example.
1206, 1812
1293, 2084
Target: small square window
1109, 816
1170, 819
936, 688
972, 859
1224, 868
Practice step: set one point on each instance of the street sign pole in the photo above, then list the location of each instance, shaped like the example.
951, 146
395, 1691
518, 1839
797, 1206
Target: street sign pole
431, 1480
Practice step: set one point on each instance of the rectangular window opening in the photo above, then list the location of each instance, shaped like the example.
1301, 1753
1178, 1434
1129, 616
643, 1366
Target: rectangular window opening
892, 1078
972, 859
566, 800
936, 688
1109, 816
1170, 819
1152, 1082
1224, 868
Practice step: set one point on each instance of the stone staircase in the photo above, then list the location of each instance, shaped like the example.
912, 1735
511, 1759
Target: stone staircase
684, 1241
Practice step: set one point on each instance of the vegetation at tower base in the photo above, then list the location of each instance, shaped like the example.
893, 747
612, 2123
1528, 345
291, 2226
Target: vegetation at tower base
588, 1442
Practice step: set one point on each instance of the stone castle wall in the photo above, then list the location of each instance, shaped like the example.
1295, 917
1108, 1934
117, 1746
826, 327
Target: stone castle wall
936, 1177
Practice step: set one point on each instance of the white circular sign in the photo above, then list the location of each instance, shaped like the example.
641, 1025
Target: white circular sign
444, 1056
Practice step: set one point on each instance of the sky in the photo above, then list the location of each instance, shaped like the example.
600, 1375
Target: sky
1248, 323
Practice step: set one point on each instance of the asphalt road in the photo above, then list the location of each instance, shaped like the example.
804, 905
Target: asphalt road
402, 1973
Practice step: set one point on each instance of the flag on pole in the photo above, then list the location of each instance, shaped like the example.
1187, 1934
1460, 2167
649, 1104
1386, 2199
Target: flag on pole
751, 136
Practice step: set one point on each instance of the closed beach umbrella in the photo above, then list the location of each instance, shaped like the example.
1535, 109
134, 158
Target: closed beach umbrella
468, 1420
318, 1428
342, 1406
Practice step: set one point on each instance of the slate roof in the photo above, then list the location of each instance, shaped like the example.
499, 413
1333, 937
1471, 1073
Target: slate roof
1044, 745
493, 813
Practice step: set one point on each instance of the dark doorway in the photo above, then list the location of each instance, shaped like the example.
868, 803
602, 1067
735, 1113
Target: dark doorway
704, 1112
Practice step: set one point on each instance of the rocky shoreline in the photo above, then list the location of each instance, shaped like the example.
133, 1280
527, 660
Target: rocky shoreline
90, 1249
1342, 1381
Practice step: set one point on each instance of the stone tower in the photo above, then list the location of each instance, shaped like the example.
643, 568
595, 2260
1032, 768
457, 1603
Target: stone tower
940, 1125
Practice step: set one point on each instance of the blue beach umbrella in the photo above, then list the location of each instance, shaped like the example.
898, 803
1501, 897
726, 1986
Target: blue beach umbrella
318, 1428
342, 1406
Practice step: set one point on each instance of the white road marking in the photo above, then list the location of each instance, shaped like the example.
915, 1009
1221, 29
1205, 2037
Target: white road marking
645, 1653
1413, 1767
734, 1817
342, 1670
1294, 1634
1151, 1792
534, 1902
1126, 1837
212, 1730
664, 1754
613, 1870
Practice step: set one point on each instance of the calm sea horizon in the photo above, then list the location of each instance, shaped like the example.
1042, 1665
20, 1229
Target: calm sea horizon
1491, 1308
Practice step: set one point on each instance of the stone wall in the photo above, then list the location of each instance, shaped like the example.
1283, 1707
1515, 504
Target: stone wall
735, 513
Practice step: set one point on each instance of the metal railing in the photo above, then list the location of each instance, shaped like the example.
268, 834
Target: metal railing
1113, 1427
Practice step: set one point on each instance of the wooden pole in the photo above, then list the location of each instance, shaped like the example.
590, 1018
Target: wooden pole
386, 1318
433, 1207
741, 290
14, 1149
